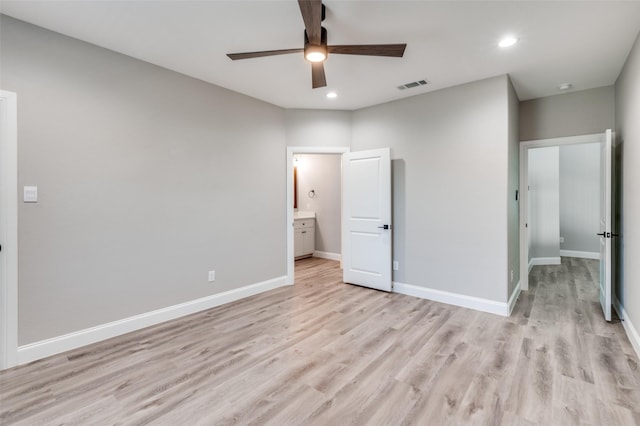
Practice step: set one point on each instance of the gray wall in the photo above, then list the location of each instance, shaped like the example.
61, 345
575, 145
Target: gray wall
576, 113
323, 174
450, 181
580, 197
544, 202
305, 127
147, 179
628, 149
513, 205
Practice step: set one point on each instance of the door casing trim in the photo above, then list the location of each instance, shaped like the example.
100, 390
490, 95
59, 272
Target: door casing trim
291, 151
524, 193
9, 228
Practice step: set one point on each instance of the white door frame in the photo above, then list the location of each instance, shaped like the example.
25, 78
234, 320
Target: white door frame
9, 229
524, 193
291, 151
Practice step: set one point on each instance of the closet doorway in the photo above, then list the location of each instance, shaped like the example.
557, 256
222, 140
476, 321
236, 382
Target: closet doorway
566, 204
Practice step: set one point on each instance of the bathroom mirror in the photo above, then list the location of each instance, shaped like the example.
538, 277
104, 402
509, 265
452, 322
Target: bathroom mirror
295, 187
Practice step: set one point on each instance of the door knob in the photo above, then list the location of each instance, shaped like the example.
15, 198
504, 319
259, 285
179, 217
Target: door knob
608, 235
384, 227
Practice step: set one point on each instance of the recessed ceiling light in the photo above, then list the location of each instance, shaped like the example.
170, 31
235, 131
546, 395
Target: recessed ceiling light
565, 86
331, 95
508, 41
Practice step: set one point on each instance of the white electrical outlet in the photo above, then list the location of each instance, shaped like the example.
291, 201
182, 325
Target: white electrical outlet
511, 276
212, 276
561, 240
396, 265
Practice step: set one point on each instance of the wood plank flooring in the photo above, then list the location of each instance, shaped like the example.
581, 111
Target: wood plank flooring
326, 353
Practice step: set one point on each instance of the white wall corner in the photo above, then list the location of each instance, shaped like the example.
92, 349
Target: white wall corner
327, 255
629, 327
514, 298
530, 264
56, 345
461, 300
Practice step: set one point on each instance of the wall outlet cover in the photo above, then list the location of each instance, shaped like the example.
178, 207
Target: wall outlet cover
396, 265
212, 276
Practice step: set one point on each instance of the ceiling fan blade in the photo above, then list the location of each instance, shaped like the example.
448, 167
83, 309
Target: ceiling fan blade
312, 16
317, 75
395, 50
249, 55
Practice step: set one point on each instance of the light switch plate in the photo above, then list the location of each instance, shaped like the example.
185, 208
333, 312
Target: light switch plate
30, 194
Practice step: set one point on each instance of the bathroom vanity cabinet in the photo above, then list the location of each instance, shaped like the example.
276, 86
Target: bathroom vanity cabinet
304, 238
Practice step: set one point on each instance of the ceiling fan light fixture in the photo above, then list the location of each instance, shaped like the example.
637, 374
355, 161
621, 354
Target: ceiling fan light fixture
315, 53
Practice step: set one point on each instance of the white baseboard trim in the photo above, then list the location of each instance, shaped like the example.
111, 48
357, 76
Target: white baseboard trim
580, 254
479, 304
530, 264
56, 345
629, 328
545, 261
327, 255
514, 298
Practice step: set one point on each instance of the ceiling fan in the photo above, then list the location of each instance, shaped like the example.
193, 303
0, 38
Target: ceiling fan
315, 44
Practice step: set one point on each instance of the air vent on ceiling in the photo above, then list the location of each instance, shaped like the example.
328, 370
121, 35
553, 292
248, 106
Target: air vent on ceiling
413, 84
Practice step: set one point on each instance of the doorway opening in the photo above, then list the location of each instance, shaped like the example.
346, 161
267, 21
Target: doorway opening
304, 198
565, 187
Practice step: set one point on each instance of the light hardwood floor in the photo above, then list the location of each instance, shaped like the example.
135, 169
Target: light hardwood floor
326, 353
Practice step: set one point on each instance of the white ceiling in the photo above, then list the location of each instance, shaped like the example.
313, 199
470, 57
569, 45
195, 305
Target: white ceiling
448, 43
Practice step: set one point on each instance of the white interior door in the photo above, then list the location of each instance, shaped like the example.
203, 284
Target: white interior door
606, 228
366, 224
